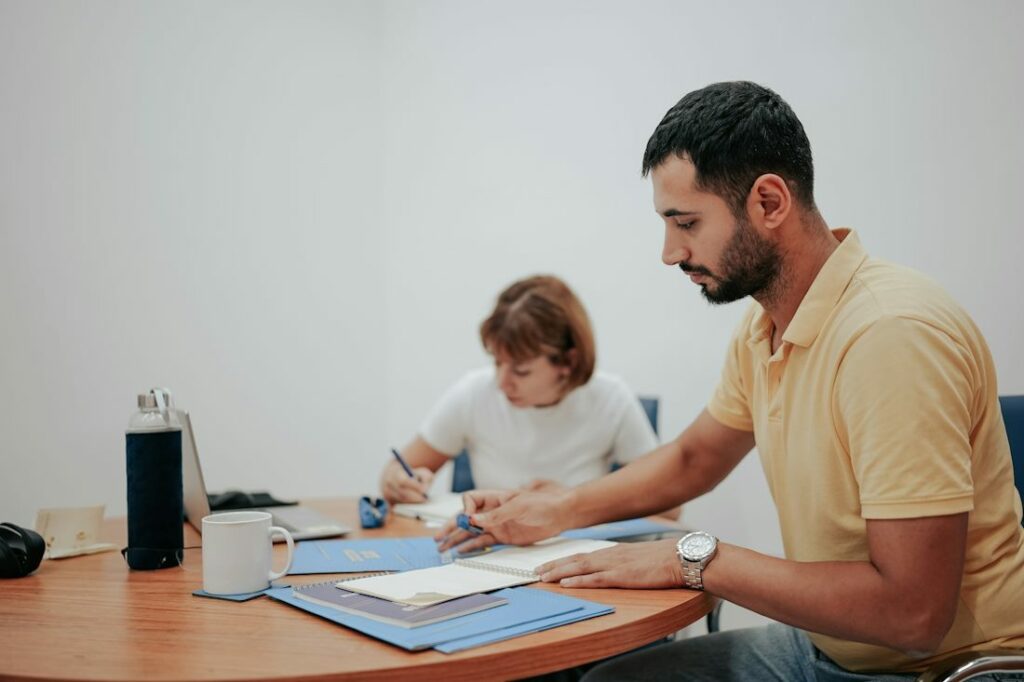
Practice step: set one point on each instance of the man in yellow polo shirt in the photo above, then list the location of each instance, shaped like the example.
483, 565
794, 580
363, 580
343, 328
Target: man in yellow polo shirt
871, 397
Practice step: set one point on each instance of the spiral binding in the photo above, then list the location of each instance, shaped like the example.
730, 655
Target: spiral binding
498, 568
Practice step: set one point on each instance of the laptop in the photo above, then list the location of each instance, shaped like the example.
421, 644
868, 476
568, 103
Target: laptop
304, 523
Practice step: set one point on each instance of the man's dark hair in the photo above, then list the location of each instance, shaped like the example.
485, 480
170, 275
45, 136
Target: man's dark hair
733, 133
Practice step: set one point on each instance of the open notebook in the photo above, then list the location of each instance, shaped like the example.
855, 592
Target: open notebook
503, 568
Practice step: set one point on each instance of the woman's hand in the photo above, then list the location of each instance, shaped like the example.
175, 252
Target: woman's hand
397, 486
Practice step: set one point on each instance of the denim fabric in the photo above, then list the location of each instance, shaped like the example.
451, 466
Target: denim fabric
774, 652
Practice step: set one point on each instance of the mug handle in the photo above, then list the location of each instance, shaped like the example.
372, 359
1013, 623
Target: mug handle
291, 551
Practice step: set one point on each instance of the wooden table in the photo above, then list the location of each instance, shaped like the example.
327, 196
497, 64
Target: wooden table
90, 618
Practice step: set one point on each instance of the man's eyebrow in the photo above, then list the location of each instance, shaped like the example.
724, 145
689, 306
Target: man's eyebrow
672, 213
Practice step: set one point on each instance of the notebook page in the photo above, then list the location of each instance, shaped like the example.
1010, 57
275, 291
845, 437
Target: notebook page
523, 560
428, 586
440, 507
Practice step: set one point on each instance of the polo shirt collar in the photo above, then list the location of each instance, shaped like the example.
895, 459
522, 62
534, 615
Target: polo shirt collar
819, 301
826, 289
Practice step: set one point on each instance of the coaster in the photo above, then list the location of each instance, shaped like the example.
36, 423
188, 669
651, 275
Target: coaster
231, 597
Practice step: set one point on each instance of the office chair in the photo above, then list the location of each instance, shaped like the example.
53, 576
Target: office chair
974, 663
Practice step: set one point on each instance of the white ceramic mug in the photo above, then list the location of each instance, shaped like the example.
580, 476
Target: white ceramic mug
237, 552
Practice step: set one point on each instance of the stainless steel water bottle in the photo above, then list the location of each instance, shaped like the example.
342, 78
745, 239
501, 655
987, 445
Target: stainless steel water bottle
153, 466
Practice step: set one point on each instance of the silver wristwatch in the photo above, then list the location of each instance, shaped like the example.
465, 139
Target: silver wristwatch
695, 550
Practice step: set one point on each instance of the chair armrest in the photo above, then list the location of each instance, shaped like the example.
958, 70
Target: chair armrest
973, 663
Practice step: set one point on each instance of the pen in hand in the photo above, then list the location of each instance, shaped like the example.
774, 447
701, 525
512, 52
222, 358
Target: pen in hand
463, 522
405, 465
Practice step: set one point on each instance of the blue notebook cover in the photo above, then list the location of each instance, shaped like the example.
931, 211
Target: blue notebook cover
394, 613
357, 556
620, 529
589, 610
528, 610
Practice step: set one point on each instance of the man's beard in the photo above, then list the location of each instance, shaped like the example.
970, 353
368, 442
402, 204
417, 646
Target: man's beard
750, 266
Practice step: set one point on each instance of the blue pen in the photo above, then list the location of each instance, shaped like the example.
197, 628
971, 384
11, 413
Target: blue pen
463, 522
401, 460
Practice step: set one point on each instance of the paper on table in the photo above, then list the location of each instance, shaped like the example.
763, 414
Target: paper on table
523, 560
504, 568
440, 507
71, 531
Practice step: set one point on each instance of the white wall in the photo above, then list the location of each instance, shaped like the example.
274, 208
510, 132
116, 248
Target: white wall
188, 198
296, 214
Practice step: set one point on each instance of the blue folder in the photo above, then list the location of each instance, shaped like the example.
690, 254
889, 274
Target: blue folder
404, 554
620, 529
588, 610
528, 610
357, 556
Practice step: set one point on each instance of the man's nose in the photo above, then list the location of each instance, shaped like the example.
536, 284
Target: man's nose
674, 252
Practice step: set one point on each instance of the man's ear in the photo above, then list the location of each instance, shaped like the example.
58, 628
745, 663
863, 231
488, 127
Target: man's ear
769, 202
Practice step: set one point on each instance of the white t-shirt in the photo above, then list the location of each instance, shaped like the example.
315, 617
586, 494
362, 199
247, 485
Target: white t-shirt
572, 442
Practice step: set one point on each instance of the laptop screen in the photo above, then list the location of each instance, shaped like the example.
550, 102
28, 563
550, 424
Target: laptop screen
197, 505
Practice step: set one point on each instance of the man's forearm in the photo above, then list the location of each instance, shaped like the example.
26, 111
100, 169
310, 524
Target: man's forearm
661, 479
850, 600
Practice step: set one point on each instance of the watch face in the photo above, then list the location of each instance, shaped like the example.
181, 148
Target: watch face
697, 546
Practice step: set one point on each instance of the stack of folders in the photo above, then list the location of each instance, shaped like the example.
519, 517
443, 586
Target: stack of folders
454, 606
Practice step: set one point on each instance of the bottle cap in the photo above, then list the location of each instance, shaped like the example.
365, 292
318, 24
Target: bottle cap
147, 400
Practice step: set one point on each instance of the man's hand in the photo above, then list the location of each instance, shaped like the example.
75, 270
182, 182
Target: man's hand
631, 564
513, 517
473, 501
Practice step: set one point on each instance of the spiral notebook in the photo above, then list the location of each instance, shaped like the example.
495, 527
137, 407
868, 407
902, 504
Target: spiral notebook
504, 568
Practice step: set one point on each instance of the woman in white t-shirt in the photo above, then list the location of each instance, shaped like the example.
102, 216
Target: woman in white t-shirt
541, 416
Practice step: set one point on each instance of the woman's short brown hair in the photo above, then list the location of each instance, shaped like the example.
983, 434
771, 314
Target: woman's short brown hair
541, 315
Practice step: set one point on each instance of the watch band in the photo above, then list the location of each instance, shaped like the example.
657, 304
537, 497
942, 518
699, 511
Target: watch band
692, 571
693, 566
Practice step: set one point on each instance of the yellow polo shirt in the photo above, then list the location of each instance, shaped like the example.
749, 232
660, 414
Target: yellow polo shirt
881, 403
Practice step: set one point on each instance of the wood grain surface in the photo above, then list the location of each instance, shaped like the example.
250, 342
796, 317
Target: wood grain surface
91, 618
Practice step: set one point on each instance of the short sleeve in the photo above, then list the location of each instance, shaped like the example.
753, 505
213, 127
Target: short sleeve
730, 403
446, 426
635, 436
902, 406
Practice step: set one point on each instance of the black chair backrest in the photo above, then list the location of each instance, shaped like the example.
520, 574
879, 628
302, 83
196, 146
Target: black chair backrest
1013, 416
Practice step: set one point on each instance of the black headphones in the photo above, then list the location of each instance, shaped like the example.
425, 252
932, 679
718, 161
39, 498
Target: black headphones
21, 550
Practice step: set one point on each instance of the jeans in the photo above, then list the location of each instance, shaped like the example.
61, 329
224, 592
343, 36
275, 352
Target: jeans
774, 652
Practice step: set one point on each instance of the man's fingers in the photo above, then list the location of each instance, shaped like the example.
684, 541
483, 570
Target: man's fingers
441, 536
599, 579
453, 538
475, 543
577, 564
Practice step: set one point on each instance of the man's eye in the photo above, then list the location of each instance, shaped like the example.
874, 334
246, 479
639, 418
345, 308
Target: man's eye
521, 372
686, 226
